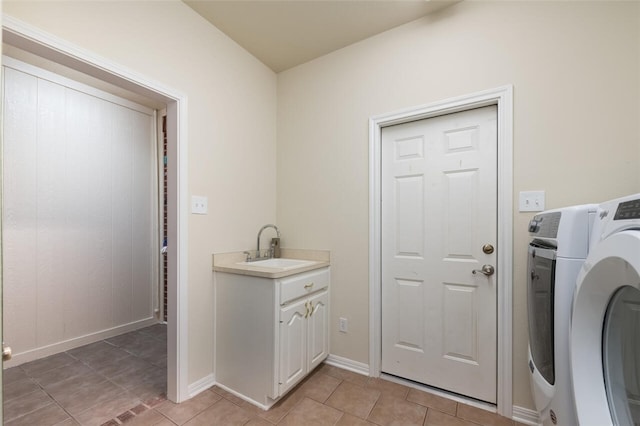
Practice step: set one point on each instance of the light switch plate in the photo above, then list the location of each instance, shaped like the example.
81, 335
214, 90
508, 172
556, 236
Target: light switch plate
198, 205
531, 201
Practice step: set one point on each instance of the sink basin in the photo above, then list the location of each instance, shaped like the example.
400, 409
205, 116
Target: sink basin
279, 264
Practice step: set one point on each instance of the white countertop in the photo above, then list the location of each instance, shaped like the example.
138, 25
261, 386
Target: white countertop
234, 263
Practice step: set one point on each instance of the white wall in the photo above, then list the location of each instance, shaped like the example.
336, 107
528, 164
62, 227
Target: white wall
231, 123
575, 68
78, 216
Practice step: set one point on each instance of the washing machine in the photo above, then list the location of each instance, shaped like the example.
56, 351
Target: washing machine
559, 246
605, 324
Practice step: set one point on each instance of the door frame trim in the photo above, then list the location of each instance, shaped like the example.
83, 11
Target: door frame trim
502, 97
31, 39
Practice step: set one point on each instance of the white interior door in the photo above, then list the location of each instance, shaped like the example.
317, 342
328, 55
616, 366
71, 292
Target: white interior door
439, 211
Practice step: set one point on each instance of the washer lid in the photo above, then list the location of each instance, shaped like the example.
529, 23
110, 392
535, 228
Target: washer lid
612, 264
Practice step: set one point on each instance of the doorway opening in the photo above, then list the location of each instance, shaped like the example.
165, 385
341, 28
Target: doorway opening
34, 41
502, 98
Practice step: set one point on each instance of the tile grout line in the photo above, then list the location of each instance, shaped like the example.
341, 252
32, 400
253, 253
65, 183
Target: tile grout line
148, 403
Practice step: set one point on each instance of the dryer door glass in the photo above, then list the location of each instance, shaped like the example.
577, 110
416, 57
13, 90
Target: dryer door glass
541, 268
621, 356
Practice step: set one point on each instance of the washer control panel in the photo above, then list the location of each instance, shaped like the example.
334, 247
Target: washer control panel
628, 210
545, 225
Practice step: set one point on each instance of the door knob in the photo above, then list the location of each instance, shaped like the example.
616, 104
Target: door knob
487, 270
487, 248
6, 352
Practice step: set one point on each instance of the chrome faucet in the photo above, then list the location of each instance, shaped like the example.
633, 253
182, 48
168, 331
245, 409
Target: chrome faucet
260, 233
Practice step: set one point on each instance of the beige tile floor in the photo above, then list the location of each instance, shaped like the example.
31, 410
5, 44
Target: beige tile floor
122, 381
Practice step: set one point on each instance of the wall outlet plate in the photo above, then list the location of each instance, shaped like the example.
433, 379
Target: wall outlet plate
199, 204
531, 201
343, 325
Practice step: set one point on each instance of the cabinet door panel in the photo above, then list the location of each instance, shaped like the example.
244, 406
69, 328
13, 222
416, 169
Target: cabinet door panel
293, 345
318, 339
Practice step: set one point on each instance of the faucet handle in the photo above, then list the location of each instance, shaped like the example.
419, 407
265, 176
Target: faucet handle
248, 253
275, 247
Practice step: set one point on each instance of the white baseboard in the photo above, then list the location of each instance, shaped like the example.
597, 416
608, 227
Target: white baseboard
201, 385
526, 416
520, 414
246, 398
348, 364
52, 349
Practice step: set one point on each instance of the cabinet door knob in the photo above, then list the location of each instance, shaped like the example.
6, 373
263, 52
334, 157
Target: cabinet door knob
310, 309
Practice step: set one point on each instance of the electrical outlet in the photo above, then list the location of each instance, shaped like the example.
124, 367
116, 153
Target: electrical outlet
198, 205
531, 201
343, 325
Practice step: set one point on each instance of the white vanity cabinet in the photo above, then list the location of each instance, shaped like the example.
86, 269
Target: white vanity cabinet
304, 327
270, 333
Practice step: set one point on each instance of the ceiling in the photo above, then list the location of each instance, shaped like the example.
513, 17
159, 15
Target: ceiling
286, 33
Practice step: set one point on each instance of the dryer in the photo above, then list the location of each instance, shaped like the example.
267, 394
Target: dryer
605, 324
559, 246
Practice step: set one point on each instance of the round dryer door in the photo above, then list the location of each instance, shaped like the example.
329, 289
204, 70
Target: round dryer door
621, 356
605, 333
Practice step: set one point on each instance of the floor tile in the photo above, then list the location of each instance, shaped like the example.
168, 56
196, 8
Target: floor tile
74, 384
319, 387
25, 404
106, 410
140, 344
222, 412
154, 401
354, 399
13, 374
66, 372
90, 350
343, 374
151, 386
438, 418
19, 388
155, 356
125, 366
123, 339
68, 422
227, 395
249, 408
282, 407
312, 413
105, 382
159, 331
392, 411
257, 421
351, 420
107, 354
88, 396
34, 368
430, 400
483, 417
149, 418
48, 415
181, 413
134, 379
160, 362
388, 388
